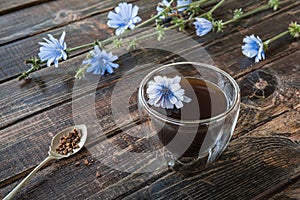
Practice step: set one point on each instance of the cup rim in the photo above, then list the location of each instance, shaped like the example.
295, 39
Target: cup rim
165, 118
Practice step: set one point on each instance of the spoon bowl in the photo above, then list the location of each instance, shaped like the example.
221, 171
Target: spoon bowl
56, 141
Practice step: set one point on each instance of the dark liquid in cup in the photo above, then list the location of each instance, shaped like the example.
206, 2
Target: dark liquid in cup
207, 101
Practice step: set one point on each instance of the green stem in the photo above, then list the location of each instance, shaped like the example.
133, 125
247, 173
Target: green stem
139, 39
247, 14
266, 43
25, 74
81, 72
153, 18
197, 3
186, 21
149, 20
215, 7
80, 47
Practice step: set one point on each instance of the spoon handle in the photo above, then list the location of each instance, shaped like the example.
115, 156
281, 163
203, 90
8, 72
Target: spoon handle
16, 189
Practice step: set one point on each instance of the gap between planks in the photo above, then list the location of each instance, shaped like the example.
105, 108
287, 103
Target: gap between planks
282, 10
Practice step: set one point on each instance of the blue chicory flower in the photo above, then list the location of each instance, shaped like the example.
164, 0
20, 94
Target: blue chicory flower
203, 26
253, 47
125, 17
160, 9
166, 92
52, 50
100, 61
183, 3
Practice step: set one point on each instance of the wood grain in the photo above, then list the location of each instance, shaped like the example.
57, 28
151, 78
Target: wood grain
261, 166
36, 138
63, 86
43, 17
10, 112
290, 193
287, 125
267, 161
93, 27
60, 173
96, 28
8, 6
22, 133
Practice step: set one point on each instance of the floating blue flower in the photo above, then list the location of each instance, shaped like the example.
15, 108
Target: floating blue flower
125, 17
160, 8
183, 3
52, 50
203, 26
253, 47
99, 61
166, 92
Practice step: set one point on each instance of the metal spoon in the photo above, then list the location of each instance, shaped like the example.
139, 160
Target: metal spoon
52, 155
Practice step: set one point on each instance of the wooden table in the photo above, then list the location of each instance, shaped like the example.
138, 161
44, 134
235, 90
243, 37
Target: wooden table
262, 160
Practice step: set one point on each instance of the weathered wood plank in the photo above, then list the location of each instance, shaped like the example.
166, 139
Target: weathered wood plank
43, 17
116, 187
13, 55
57, 175
56, 87
265, 29
92, 26
60, 13
32, 134
47, 97
291, 193
259, 109
65, 97
36, 138
270, 91
64, 74
266, 161
9, 84
7, 6
55, 119
285, 125
256, 157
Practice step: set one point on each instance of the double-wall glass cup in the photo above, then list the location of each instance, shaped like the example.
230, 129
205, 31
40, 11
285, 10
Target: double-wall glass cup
197, 133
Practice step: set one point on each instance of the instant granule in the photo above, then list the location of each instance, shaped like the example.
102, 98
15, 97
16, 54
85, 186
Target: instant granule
69, 142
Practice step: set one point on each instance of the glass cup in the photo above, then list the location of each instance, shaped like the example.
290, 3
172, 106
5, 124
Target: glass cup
205, 125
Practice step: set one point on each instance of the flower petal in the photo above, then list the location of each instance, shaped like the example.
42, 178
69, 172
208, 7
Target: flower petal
100, 61
183, 3
172, 99
203, 26
56, 62
169, 105
249, 52
119, 30
176, 79
135, 11
62, 37
179, 104
52, 50
124, 17
64, 55
166, 92
158, 79
175, 87
186, 99
253, 47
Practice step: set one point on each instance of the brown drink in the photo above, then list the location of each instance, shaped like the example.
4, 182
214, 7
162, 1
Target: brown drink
208, 101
